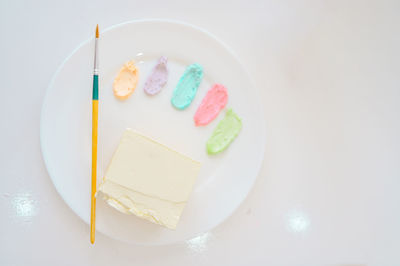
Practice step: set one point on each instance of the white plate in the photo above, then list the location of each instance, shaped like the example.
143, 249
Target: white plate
225, 179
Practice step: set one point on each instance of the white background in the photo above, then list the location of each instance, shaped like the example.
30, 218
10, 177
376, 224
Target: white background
328, 191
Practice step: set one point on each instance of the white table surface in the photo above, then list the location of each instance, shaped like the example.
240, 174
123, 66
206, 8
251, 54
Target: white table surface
328, 191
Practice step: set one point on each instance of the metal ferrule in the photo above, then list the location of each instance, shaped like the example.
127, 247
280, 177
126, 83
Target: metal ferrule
96, 55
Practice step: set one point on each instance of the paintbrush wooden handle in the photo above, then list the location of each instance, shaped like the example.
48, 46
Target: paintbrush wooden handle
94, 158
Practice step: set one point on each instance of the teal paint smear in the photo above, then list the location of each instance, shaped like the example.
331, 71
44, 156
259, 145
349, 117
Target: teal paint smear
186, 89
225, 132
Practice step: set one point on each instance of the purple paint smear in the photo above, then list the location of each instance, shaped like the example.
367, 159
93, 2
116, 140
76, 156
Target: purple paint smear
158, 77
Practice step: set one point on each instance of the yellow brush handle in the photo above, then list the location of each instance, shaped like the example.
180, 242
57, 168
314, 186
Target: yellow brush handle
94, 170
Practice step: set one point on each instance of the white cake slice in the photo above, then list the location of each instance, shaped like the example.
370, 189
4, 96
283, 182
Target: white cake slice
149, 180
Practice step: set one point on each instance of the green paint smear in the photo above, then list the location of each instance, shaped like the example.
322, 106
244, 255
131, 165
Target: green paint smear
225, 132
186, 89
